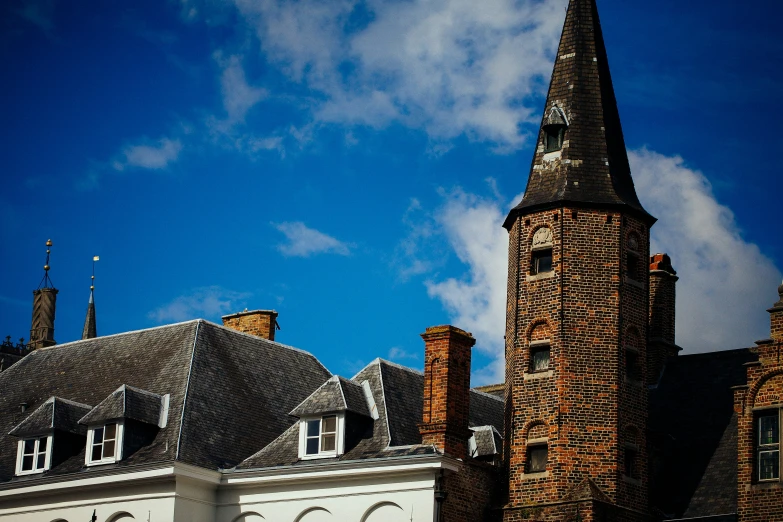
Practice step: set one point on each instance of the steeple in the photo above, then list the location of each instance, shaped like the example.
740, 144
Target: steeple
580, 157
90, 329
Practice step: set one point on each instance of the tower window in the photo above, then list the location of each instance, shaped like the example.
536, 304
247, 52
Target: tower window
539, 358
553, 137
768, 445
632, 370
630, 461
541, 261
537, 455
633, 266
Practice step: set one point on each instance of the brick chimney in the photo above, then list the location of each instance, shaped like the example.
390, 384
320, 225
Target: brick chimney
261, 323
447, 352
660, 345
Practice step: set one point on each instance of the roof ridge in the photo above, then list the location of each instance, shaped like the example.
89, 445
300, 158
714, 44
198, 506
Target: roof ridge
140, 390
120, 334
257, 338
485, 394
400, 366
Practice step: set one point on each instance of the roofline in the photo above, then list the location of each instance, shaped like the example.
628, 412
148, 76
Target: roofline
187, 388
485, 394
640, 213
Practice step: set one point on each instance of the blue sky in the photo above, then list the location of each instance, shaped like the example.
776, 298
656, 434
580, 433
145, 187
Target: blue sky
349, 163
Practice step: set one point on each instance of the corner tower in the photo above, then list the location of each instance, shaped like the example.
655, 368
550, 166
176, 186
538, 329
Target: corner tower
577, 314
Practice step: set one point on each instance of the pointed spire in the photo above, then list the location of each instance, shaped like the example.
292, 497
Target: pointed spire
90, 329
580, 157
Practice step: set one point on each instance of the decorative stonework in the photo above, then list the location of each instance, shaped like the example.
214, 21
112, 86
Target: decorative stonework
542, 238
633, 242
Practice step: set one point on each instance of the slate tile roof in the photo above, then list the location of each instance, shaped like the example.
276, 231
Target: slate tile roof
398, 394
229, 392
335, 395
693, 434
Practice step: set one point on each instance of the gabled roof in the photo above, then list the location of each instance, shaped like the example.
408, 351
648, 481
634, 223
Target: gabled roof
230, 393
398, 395
127, 402
335, 395
54, 414
593, 167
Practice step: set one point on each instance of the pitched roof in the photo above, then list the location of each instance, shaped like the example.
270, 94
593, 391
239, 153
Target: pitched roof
127, 402
54, 414
398, 395
336, 394
693, 433
229, 392
593, 167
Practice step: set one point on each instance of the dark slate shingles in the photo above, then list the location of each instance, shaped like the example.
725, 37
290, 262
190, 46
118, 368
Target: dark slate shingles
485, 441
38, 422
126, 402
693, 433
355, 399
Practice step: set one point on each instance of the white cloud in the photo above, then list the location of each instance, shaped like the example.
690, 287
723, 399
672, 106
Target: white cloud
726, 283
150, 156
210, 302
450, 67
396, 354
238, 95
303, 241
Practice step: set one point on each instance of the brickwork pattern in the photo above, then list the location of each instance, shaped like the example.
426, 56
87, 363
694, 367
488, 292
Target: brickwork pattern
447, 355
42, 325
585, 401
471, 494
663, 280
759, 501
261, 323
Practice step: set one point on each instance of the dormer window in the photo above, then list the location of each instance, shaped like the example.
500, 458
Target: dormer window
34, 455
554, 129
104, 444
321, 436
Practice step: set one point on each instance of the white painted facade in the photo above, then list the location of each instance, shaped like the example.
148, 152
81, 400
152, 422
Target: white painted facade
388, 490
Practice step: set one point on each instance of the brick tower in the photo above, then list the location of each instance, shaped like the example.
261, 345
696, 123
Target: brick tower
577, 314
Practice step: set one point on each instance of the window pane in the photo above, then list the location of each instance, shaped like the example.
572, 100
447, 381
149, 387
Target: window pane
542, 261
42, 444
330, 424
769, 430
312, 446
111, 431
96, 452
327, 443
97, 436
29, 446
27, 463
769, 465
536, 460
313, 428
41, 461
108, 449
539, 359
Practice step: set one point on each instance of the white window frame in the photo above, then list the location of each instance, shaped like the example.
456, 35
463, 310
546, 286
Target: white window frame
339, 438
767, 448
119, 436
47, 459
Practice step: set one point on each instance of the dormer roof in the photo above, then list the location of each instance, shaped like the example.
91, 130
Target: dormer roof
335, 395
54, 414
129, 403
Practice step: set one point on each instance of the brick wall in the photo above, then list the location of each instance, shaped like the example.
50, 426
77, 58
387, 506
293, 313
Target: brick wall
261, 323
447, 354
661, 338
588, 306
472, 494
760, 501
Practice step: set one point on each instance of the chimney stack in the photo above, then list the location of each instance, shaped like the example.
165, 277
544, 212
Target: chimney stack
447, 353
261, 323
44, 303
660, 345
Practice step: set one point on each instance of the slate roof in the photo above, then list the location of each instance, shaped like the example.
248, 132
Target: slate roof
126, 402
693, 434
230, 393
335, 395
54, 414
593, 169
398, 394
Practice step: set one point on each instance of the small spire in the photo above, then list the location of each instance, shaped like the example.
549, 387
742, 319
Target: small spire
90, 329
46, 282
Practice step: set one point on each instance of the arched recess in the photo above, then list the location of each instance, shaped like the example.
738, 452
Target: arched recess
120, 515
750, 400
249, 516
314, 514
384, 512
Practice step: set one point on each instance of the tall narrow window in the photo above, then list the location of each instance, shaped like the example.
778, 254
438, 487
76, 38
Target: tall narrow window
553, 137
632, 369
104, 444
537, 455
541, 256
768, 445
630, 461
33, 456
